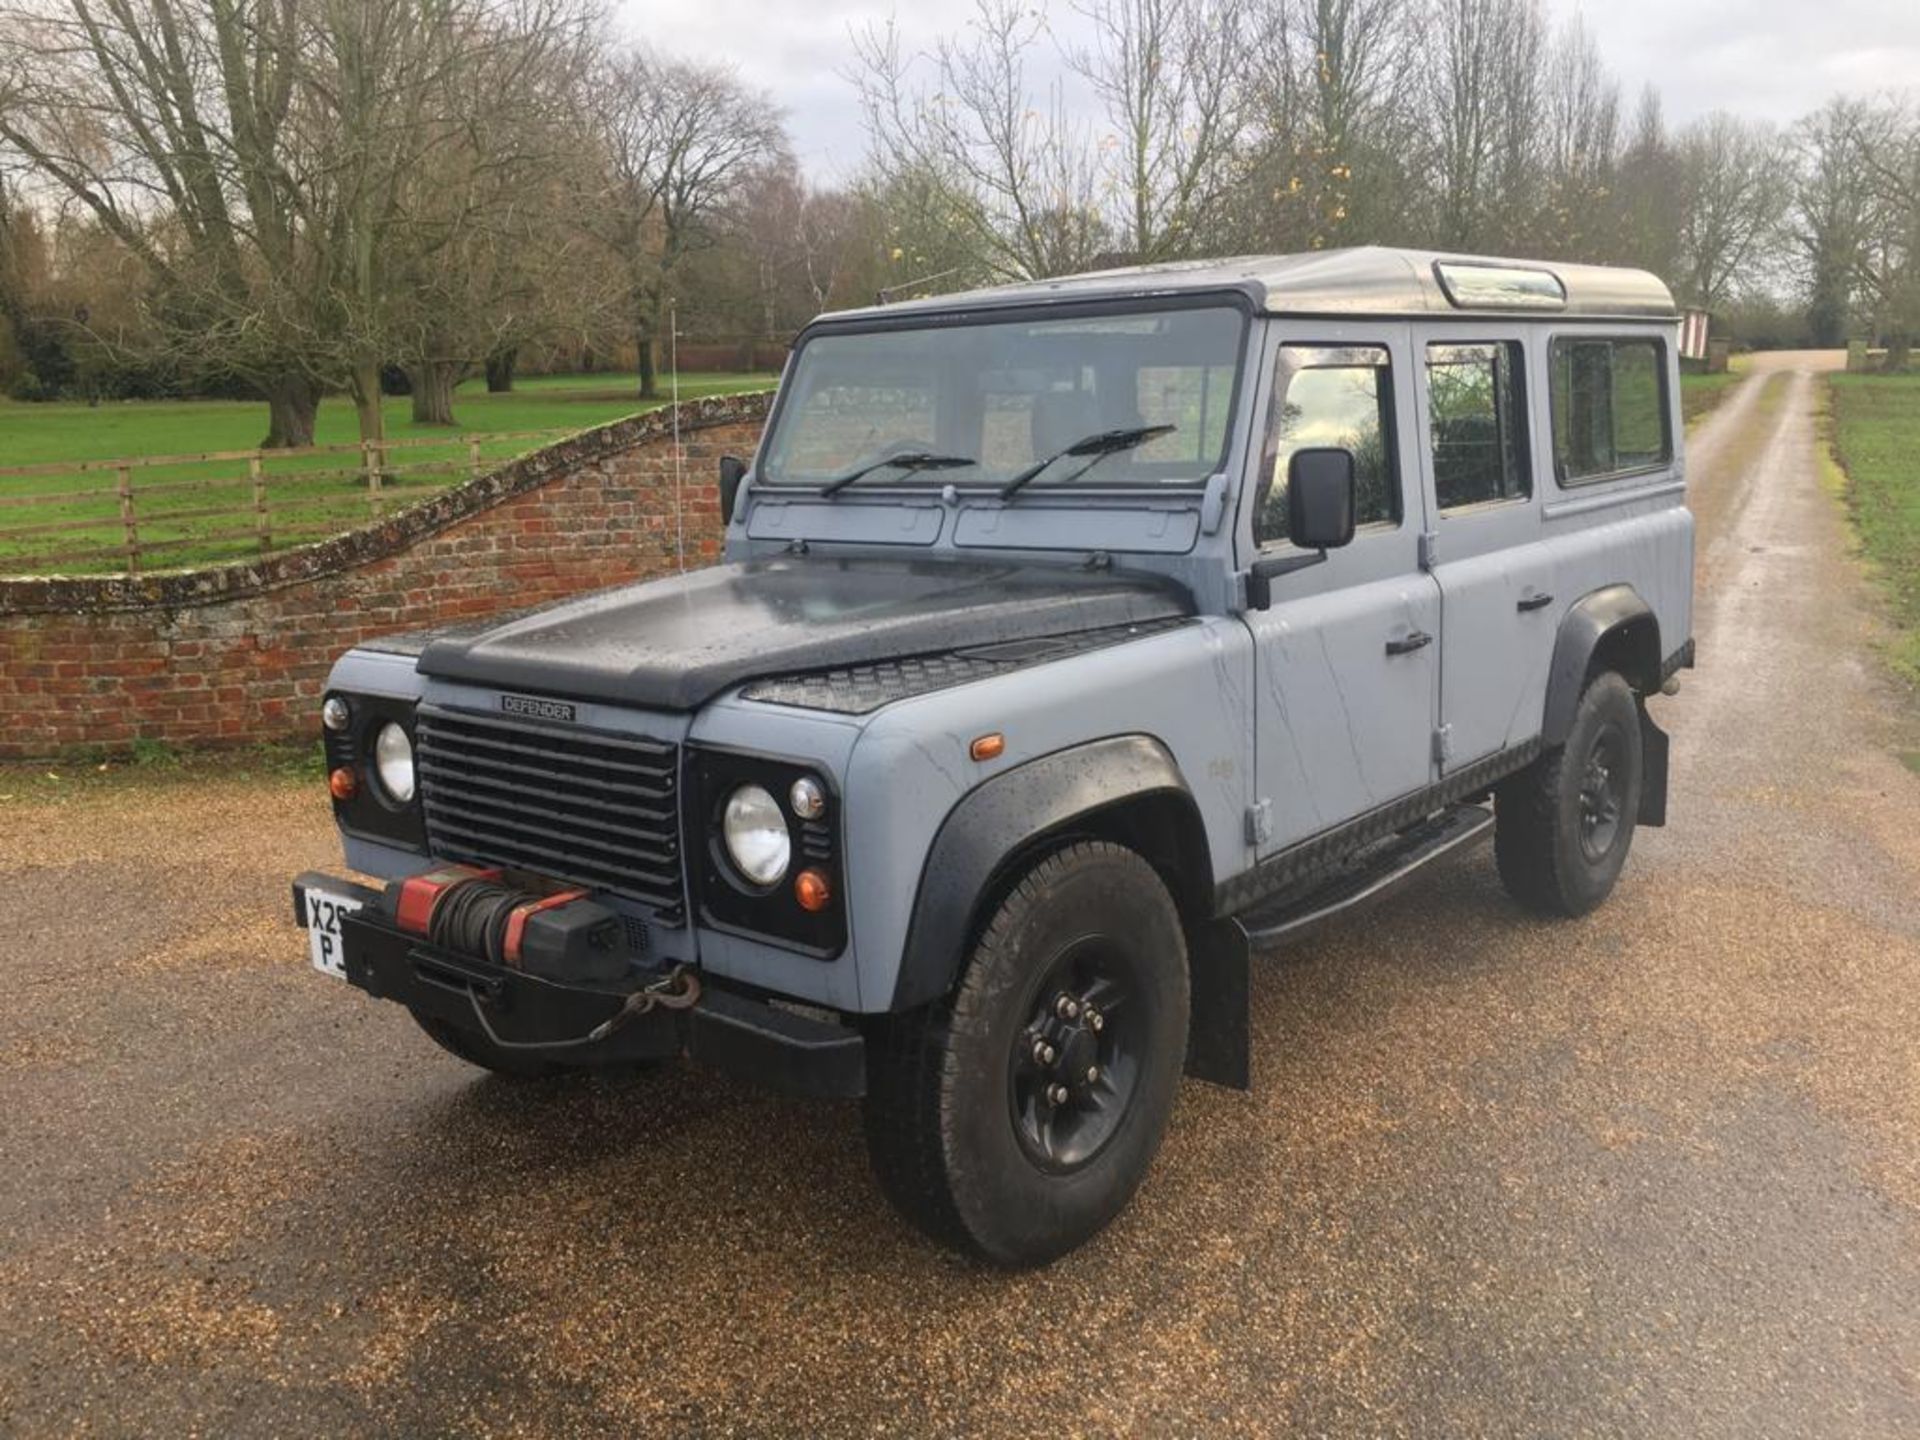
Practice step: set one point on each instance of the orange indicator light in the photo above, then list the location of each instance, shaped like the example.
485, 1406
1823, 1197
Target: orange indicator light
988, 747
810, 888
343, 785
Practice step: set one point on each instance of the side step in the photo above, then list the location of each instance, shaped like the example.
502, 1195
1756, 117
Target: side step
1370, 874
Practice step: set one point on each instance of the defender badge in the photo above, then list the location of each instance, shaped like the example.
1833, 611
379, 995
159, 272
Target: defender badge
534, 708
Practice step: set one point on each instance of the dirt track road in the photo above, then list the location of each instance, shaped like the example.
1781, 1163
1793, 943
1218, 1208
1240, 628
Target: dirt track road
1652, 1173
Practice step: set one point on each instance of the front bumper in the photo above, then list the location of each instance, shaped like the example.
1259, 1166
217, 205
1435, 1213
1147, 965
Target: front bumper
725, 1028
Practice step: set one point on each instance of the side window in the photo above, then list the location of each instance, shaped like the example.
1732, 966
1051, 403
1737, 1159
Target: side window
1609, 408
1479, 423
1330, 396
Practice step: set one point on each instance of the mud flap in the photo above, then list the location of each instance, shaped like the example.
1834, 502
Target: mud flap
1218, 1044
1653, 770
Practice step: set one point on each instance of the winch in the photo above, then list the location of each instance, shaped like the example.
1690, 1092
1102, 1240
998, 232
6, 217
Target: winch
557, 935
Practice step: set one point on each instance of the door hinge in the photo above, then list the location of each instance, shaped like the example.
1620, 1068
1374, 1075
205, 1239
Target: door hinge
1443, 744
1429, 549
1259, 822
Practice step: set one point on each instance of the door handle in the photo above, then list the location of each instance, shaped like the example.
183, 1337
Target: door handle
1535, 602
1409, 644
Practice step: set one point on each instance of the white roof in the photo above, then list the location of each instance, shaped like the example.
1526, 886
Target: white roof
1371, 280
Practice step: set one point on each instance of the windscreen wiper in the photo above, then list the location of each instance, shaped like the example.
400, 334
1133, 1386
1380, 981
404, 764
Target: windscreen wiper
1098, 446
912, 460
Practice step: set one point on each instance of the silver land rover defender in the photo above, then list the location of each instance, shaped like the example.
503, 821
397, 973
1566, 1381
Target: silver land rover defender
1068, 635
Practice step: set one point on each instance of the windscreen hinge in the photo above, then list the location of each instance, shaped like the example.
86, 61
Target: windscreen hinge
1213, 504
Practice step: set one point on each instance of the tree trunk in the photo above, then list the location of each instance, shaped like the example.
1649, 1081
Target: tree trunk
1899, 353
365, 385
292, 406
649, 372
433, 382
500, 367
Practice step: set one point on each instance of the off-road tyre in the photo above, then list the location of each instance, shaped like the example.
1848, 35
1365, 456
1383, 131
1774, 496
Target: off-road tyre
958, 1145
478, 1050
1559, 844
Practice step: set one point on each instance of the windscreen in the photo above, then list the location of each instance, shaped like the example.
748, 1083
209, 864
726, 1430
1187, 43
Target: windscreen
1004, 395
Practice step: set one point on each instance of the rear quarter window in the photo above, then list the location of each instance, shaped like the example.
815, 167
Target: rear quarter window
1609, 406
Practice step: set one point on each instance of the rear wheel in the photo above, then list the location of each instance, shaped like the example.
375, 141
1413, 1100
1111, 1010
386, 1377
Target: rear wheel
1016, 1120
1563, 826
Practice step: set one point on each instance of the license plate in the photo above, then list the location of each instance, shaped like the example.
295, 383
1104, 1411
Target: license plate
324, 910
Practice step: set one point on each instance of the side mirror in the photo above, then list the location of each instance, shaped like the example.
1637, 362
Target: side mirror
732, 471
1320, 516
1320, 498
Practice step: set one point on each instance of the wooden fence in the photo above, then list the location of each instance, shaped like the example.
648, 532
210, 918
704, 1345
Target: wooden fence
169, 508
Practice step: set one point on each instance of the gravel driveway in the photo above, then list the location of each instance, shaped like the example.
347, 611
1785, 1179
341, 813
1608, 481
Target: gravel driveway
1656, 1172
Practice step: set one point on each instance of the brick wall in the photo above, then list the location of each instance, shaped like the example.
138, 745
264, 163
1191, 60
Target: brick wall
241, 652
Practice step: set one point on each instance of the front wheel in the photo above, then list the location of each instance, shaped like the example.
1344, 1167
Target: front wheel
1015, 1120
1562, 826
477, 1050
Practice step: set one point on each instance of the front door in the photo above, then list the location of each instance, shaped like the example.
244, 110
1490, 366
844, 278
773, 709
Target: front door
1347, 659
1496, 575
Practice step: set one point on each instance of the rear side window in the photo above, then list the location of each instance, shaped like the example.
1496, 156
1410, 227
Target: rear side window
1609, 408
1326, 395
1478, 408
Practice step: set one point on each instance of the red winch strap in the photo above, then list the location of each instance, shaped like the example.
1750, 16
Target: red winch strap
517, 920
421, 894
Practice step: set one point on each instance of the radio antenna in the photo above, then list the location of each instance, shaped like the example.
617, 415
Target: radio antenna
673, 382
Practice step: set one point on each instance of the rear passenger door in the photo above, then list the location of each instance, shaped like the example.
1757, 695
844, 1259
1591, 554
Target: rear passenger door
1484, 545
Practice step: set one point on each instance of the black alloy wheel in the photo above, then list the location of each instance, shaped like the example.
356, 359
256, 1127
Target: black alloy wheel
1603, 793
1563, 825
1015, 1118
1076, 1064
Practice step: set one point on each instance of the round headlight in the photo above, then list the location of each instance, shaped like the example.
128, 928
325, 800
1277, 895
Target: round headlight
335, 713
393, 762
756, 836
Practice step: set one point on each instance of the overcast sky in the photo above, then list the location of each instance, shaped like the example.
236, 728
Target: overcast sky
1772, 58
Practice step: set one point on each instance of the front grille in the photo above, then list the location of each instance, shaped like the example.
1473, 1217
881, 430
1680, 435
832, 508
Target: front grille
584, 806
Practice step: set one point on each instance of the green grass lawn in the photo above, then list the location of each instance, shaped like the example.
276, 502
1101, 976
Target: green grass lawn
307, 496
1876, 437
1700, 393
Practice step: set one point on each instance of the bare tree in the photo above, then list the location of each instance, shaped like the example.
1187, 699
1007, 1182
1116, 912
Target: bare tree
679, 141
835, 232
27, 350
1167, 75
1733, 194
1578, 144
1012, 169
1333, 126
1483, 107
447, 131
1647, 192
1828, 218
799, 249
1886, 149
169, 123
301, 179
929, 234
713, 132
